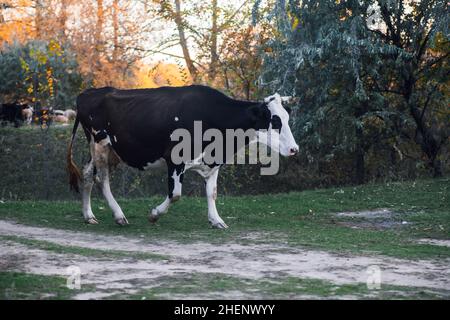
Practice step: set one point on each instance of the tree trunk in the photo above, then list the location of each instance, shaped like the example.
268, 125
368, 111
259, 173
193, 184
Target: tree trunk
62, 19
360, 168
183, 42
38, 19
428, 143
359, 160
115, 30
99, 24
213, 49
98, 40
2, 18
424, 134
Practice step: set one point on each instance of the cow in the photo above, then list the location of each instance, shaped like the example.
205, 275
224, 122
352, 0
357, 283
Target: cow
70, 114
59, 118
12, 112
135, 127
27, 114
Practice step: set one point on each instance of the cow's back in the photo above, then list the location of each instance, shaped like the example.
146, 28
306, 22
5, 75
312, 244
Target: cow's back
138, 122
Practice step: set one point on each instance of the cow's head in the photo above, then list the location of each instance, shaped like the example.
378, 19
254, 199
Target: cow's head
274, 121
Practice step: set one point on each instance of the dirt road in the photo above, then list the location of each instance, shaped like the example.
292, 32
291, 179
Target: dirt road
127, 275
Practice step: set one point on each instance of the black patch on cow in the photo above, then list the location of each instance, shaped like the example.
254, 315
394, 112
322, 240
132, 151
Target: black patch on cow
260, 114
12, 112
100, 135
276, 123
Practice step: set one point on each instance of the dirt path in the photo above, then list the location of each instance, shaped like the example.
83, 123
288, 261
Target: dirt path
113, 275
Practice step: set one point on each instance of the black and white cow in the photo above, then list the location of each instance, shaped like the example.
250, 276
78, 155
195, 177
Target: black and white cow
135, 126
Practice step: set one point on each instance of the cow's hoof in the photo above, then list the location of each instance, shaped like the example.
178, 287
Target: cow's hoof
219, 225
122, 221
92, 221
154, 216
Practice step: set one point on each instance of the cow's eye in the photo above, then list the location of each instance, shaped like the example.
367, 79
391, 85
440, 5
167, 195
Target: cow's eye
276, 122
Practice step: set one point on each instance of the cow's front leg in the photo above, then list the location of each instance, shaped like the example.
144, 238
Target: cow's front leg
211, 193
118, 215
175, 181
101, 162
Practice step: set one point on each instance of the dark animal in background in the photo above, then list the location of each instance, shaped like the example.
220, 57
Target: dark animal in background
12, 113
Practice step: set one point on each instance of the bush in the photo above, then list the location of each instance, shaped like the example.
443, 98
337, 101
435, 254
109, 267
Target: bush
33, 161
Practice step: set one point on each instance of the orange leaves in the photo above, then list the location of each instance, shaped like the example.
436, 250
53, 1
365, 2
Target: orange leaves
161, 74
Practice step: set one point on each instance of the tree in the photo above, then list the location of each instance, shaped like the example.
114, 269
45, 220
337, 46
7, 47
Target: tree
107, 37
39, 71
202, 32
240, 60
365, 73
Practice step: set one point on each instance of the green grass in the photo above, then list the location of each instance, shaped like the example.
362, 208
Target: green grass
299, 218
17, 285
219, 285
53, 247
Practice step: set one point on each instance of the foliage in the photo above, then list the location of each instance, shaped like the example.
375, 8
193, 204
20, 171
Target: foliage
42, 172
39, 71
367, 74
219, 45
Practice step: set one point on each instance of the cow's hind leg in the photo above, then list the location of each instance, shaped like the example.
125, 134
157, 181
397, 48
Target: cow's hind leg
211, 194
102, 164
88, 182
175, 181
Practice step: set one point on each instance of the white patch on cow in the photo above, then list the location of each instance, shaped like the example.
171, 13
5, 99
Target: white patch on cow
90, 118
156, 164
195, 162
176, 184
198, 166
115, 139
176, 119
284, 140
162, 208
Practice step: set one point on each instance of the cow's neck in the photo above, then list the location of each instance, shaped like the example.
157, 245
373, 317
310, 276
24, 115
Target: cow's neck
239, 116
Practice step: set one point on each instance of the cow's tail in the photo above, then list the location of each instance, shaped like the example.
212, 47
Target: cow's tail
72, 169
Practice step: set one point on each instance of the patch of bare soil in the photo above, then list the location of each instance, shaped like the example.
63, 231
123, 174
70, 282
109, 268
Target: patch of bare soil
128, 275
372, 219
435, 242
